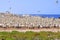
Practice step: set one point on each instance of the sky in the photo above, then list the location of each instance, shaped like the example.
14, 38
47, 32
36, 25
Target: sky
30, 6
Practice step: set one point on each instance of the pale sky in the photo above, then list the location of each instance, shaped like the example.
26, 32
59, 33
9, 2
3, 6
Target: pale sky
30, 6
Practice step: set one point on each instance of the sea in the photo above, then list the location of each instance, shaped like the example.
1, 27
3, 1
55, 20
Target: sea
44, 15
47, 15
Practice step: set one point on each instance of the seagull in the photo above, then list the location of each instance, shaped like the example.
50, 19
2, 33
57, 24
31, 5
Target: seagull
38, 11
57, 1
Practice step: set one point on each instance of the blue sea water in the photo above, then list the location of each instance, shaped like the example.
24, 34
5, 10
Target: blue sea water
47, 15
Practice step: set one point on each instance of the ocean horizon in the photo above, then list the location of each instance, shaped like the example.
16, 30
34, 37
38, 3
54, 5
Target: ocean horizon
45, 15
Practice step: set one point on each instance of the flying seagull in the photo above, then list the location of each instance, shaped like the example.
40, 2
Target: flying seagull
57, 1
38, 11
